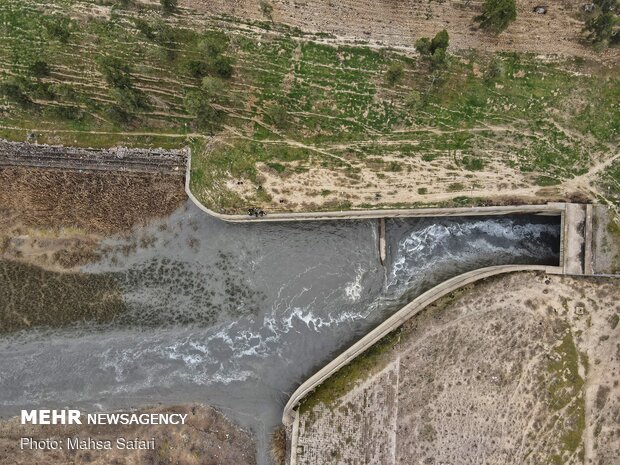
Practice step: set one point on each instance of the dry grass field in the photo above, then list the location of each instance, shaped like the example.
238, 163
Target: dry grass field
56, 218
207, 438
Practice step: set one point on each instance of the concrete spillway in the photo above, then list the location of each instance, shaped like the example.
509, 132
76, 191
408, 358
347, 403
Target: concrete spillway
237, 315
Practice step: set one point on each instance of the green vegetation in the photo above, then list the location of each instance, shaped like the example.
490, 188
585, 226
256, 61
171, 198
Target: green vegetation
282, 101
565, 388
33, 297
168, 6
497, 15
266, 9
472, 163
394, 74
434, 51
348, 376
603, 25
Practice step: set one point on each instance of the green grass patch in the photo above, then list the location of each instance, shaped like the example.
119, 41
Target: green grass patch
348, 376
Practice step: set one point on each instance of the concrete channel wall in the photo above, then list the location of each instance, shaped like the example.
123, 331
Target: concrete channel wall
546, 209
571, 262
394, 322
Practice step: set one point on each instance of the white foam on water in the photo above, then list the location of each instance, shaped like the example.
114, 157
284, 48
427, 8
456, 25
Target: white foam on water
353, 290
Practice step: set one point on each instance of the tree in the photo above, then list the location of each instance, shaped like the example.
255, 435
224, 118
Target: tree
497, 15
266, 9
39, 69
223, 66
394, 74
115, 72
434, 50
200, 106
168, 6
440, 41
423, 46
603, 25
59, 27
14, 91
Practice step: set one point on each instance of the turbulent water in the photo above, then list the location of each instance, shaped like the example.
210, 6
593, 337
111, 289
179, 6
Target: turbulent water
238, 315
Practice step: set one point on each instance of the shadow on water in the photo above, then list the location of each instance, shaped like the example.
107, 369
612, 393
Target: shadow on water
238, 315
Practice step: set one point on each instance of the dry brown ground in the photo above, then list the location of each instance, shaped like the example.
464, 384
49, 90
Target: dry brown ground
56, 218
401, 22
520, 369
207, 438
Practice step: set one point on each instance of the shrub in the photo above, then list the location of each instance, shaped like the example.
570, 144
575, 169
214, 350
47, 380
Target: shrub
168, 6
42, 90
497, 15
64, 91
438, 58
266, 9
14, 92
473, 164
413, 99
213, 87
59, 28
493, 71
278, 445
427, 47
440, 41
602, 27
423, 46
130, 99
117, 115
115, 72
166, 37
213, 46
395, 73
66, 112
39, 69
214, 43
223, 67
393, 166
124, 3
199, 105
197, 68
278, 116
144, 27
434, 50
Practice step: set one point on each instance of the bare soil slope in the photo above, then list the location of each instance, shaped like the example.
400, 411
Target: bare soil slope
401, 22
520, 369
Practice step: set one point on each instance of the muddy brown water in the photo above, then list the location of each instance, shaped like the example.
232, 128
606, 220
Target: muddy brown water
237, 316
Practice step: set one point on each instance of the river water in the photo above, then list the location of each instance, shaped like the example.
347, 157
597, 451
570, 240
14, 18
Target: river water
237, 316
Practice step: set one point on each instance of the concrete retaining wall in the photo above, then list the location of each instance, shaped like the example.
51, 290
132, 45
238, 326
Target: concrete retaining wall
395, 321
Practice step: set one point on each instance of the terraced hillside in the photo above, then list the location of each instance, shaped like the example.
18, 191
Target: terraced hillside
289, 120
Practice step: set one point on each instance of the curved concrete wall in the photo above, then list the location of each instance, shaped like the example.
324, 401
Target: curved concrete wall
549, 209
395, 321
